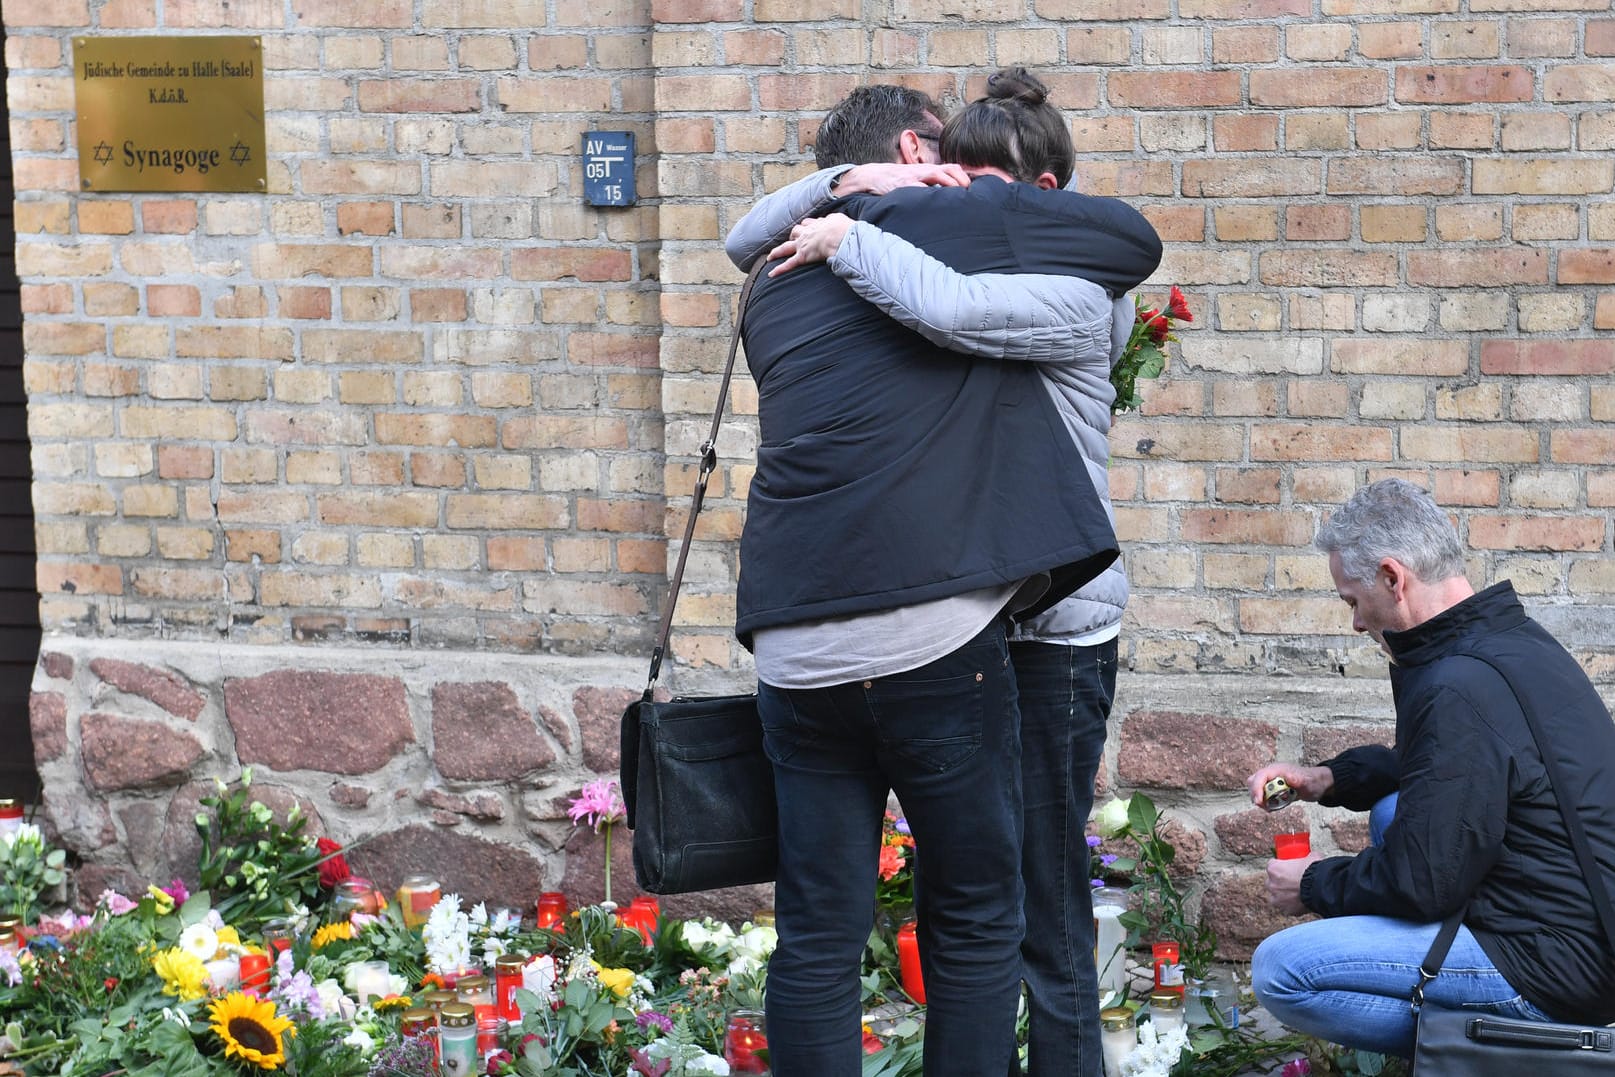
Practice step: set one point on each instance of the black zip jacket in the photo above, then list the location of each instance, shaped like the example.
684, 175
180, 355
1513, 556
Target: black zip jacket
1477, 820
890, 472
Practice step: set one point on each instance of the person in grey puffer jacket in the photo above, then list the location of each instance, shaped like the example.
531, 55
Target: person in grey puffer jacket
1064, 659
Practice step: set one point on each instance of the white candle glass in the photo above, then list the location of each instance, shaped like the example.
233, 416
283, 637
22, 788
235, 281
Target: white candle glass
1110, 958
371, 980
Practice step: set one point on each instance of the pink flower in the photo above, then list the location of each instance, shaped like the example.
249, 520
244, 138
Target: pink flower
177, 891
115, 903
68, 923
598, 804
1300, 1067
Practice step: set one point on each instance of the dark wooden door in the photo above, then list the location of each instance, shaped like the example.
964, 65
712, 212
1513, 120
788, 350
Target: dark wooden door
19, 601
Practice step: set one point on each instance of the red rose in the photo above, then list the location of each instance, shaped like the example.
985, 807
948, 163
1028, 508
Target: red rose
1155, 323
335, 869
1177, 307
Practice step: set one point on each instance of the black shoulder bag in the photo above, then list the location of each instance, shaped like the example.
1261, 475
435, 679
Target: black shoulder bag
699, 790
1461, 1043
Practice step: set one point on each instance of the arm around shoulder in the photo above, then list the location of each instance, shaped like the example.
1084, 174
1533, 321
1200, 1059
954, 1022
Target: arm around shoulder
771, 219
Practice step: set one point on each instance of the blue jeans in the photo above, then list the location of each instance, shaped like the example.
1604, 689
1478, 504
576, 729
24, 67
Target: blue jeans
946, 738
1065, 695
1350, 979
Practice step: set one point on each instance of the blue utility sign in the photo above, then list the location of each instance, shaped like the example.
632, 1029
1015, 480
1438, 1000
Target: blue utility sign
608, 168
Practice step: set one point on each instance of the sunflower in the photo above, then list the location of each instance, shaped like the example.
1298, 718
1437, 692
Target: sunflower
250, 1029
331, 933
183, 974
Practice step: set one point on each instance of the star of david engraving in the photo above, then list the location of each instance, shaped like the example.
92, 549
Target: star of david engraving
103, 153
240, 154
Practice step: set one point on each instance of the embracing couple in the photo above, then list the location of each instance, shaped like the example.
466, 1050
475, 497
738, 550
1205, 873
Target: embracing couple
929, 581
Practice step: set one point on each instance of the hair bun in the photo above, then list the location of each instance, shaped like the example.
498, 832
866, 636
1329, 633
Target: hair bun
1016, 84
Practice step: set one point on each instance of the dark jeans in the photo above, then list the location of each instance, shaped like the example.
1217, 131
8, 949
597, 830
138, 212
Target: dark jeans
945, 738
1065, 695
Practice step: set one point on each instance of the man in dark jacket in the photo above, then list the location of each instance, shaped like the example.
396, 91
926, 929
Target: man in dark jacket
898, 511
1465, 816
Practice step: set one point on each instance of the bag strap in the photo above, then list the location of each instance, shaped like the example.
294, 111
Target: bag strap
1431, 965
709, 463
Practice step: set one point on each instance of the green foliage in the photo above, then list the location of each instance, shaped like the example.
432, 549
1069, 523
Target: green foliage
318, 1051
1160, 912
265, 868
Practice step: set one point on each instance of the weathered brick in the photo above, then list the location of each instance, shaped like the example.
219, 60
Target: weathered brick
1318, 87
1469, 444
1315, 442
1543, 177
1536, 532
1458, 84
1477, 269
1572, 357
1429, 176
1242, 526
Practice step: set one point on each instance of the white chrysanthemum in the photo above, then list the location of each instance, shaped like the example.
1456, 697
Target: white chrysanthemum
493, 949
199, 940
447, 935
1156, 1054
479, 914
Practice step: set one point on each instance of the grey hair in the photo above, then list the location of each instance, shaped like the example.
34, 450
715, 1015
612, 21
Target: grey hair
1393, 518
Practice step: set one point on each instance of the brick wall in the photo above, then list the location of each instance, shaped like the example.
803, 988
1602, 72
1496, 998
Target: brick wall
419, 401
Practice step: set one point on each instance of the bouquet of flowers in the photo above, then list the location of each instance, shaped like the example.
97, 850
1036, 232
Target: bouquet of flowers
1144, 355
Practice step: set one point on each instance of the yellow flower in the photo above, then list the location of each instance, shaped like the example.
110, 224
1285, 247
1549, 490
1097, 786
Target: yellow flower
391, 1002
250, 1029
165, 902
228, 936
618, 981
331, 933
183, 973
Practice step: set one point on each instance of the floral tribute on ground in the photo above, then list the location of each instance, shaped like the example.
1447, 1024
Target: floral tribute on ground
284, 962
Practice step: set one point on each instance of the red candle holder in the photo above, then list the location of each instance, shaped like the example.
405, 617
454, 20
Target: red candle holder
908, 961
1292, 846
642, 916
552, 909
745, 1042
1168, 967
254, 973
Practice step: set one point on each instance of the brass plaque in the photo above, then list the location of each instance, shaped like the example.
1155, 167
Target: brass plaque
170, 113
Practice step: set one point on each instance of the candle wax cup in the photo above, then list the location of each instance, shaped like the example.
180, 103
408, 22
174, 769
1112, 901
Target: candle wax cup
1292, 846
